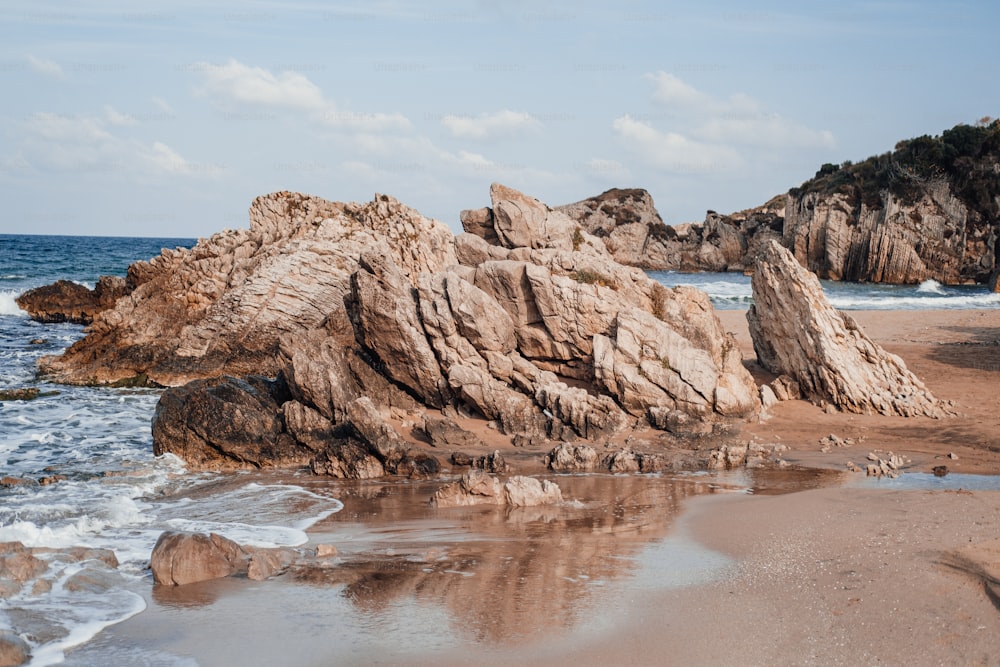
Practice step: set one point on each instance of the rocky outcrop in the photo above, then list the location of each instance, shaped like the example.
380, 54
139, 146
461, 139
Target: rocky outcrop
478, 487
372, 318
222, 306
796, 332
633, 232
930, 209
65, 301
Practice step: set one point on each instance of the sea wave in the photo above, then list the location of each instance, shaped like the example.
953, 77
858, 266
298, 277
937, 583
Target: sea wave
930, 302
8, 305
931, 287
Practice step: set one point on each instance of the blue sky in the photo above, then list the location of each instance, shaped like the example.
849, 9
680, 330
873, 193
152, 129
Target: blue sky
167, 118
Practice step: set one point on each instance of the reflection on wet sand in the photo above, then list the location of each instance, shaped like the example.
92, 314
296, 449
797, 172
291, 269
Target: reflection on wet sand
502, 574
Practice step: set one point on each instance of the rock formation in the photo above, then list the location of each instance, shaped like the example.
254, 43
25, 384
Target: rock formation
930, 209
478, 487
65, 301
221, 306
633, 232
796, 332
371, 316
180, 558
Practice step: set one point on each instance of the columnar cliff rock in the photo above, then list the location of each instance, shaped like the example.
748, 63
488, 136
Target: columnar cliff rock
930, 209
374, 322
796, 332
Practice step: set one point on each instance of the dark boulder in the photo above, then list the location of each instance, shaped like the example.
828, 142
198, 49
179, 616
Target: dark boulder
225, 423
65, 301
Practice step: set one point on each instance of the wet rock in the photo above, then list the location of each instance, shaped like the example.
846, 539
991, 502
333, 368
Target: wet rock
267, 563
744, 455
24, 394
18, 565
326, 551
940, 471
520, 491
226, 423
476, 487
183, 558
347, 459
10, 482
889, 466
65, 301
568, 457
95, 578
796, 332
14, 651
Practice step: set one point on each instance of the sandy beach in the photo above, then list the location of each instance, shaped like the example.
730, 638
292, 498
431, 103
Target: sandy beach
657, 569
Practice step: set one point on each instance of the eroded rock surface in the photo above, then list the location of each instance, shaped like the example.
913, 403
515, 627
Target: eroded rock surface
66, 301
373, 318
796, 332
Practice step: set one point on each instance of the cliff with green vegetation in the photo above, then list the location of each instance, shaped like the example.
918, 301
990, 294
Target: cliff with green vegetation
929, 209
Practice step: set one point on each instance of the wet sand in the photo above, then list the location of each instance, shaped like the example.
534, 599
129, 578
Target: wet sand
645, 571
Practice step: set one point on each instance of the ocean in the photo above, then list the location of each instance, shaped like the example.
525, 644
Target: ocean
117, 495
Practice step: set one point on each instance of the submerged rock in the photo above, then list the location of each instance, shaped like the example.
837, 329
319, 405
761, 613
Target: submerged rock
478, 487
796, 332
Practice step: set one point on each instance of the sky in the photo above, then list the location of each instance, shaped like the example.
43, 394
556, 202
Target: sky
166, 119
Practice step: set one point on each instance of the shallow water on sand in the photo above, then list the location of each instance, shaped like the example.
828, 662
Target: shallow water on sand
411, 582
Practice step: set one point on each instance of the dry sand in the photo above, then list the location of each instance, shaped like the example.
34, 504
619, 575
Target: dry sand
644, 573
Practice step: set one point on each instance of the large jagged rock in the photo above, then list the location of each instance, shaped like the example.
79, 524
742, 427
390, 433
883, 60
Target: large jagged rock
796, 332
370, 316
66, 301
222, 306
634, 233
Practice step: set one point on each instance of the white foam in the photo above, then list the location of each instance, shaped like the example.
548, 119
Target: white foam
931, 287
972, 301
8, 306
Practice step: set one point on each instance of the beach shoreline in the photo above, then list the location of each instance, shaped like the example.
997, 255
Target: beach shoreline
843, 574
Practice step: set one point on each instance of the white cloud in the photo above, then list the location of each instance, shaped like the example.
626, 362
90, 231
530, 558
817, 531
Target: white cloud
607, 168
71, 129
86, 144
117, 118
162, 105
254, 85
242, 84
673, 151
764, 129
708, 133
671, 91
46, 67
167, 159
504, 123
366, 122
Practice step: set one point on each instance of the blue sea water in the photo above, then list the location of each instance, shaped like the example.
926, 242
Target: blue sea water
118, 495
731, 291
